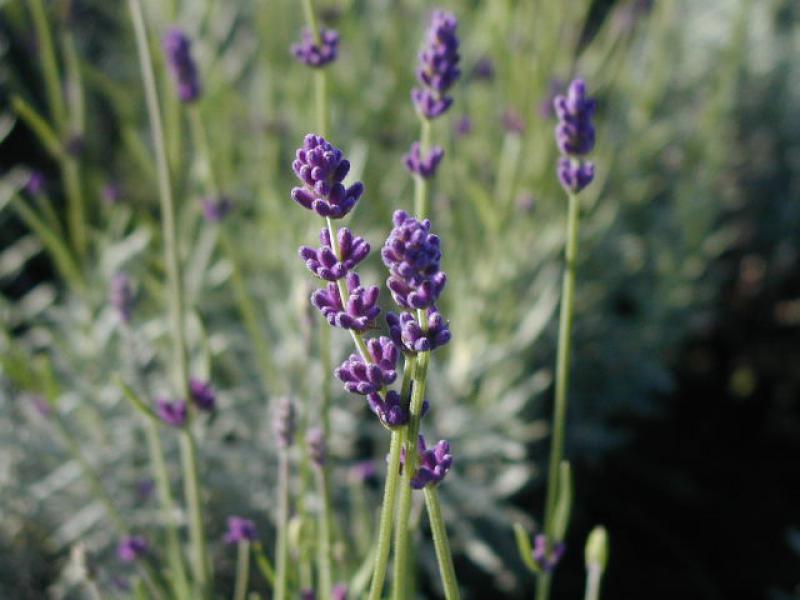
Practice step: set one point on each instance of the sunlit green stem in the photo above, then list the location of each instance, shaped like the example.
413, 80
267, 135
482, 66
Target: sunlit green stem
324, 543
52, 79
242, 570
562, 380
176, 301
594, 575
420, 184
282, 541
441, 543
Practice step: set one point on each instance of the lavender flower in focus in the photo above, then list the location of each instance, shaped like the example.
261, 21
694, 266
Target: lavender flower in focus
313, 55
240, 530
324, 263
405, 331
172, 412
36, 183
434, 463
216, 209
424, 166
390, 410
202, 394
362, 305
131, 548
284, 423
315, 438
544, 556
438, 66
575, 136
177, 48
321, 167
360, 377
121, 296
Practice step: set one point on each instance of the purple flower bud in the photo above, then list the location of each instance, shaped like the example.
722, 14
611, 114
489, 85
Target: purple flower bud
390, 409
339, 592
424, 166
172, 412
362, 304
240, 530
313, 55
438, 66
575, 132
202, 394
405, 331
574, 174
216, 209
112, 193
322, 168
463, 126
36, 183
131, 548
315, 438
178, 50
284, 423
324, 263
513, 123
121, 296
360, 377
545, 556
434, 463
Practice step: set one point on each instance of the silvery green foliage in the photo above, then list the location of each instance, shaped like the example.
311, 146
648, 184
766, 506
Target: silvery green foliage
654, 223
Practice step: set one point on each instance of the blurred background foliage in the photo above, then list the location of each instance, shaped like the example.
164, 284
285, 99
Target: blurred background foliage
684, 418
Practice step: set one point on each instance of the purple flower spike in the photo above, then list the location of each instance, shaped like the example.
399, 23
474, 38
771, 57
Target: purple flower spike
322, 168
364, 378
313, 55
438, 66
324, 263
339, 592
405, 331
36, 183
362, 305
284, 423
121, 296
240, 530
575, 132
434, 463
172, 412
178, 50
424, 166
216, 209
202, 394
545, 556
574, 174
315, 438
131, 548
390, 410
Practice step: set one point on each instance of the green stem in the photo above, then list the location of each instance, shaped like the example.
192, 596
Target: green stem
52, 79
70, 175
594, 576
401, 561
242, 570
441, 543
320, 85
420, 184
282, 542
311, 20
189, 460
324, 543
562, 380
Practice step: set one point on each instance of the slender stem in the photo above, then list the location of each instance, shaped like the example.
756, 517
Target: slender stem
311, 20
70, 175
420, 184
401, 561
242, 570
594, 576
441, 544
204, 150
387, 517
189, 460
562, 380
324, 543
282, 542
320, 85
52, 79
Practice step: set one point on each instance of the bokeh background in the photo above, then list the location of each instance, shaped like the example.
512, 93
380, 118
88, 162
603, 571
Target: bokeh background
684, 424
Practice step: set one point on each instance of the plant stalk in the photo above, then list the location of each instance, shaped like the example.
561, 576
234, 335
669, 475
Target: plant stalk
282, 541
420, 184
441, 543
242, 570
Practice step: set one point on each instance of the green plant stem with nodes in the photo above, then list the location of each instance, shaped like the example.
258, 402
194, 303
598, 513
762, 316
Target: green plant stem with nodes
282, 539
441, 543
325, 574
242, 570
420, 185
200, 561
562, 382
390, 494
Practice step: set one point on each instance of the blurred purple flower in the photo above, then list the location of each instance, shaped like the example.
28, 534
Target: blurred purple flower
172, 412
317, 55
547, 558
240, 530
513, 122
463, 126
438, 66
363, 471
483, 69
131, 548
575, 136
178, 50
424, 166
339, 592
202, 394
216, 209
36, 183
112, 193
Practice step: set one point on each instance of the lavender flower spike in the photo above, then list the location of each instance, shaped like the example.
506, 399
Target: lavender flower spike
390, 410
240, 530
178, 50
362, 305
364, 378
172, 412
438, 66
434, 463
131, 548
424, 166
544, 556
405, 331
202, 394
313, 55
324, 263
321, 167
285, 423
315, 438
575, 136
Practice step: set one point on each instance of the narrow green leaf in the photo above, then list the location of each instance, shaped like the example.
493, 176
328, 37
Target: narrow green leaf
524, 548
38, 125
263, 563
134, 398
563, 502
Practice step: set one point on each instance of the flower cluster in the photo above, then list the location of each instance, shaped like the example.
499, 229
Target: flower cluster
361, 377
323, 261
202, 394
321, 168
172, 412
575, 136
424, 166
358, 312
438, 66
316, 55
433, 463
240, 530
178, 51
410, 337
